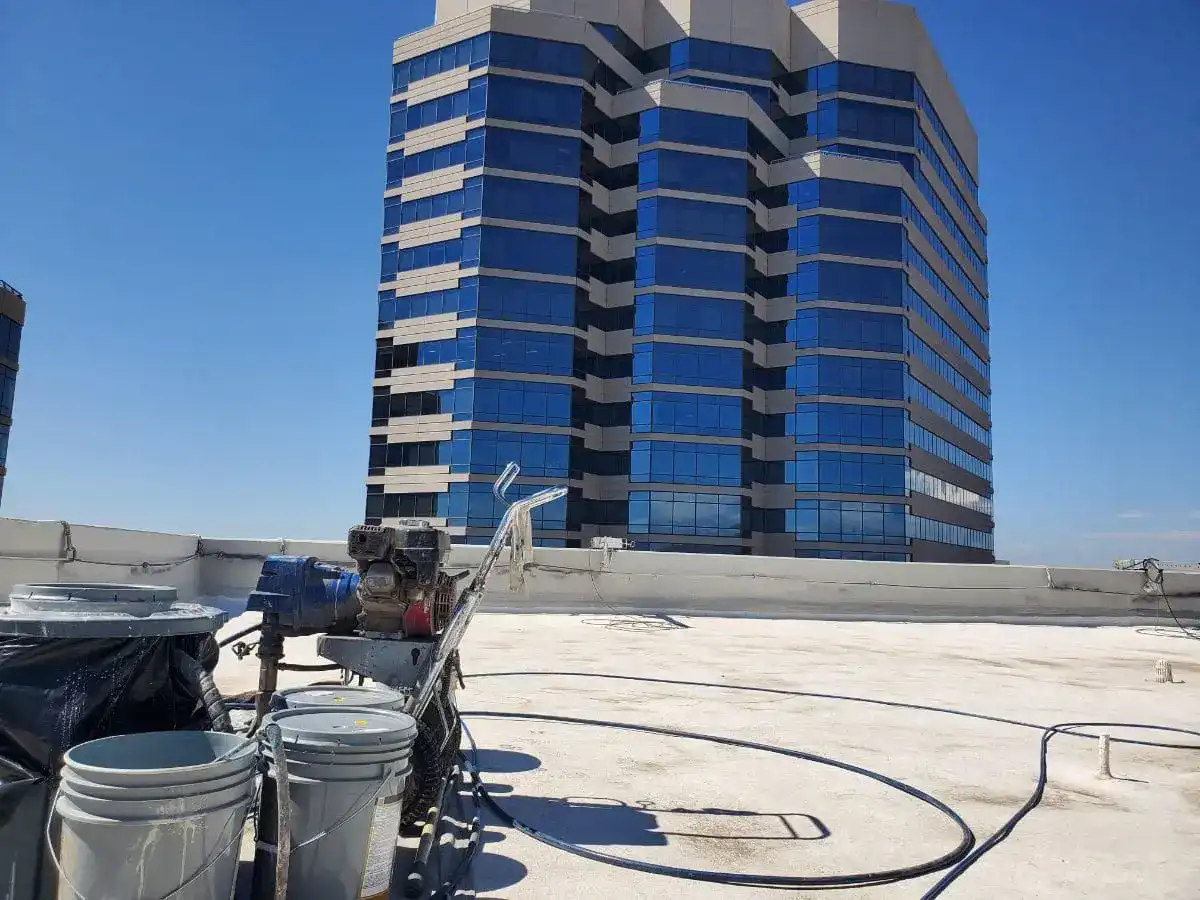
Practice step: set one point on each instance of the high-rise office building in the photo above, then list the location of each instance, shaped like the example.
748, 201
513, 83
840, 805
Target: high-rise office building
12, 320
718, 265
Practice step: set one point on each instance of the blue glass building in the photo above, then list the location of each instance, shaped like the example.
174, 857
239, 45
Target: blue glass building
12, 321
724, 274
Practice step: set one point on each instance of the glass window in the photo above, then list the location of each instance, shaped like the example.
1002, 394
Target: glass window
404, 455
689, 267
537, 102
465, 201
483, 452
952, 453
854, 78
847, 283
668, 412
404, 506
4, 432
682, 126
847, 423
472, 504
926, 106
840, 472
936, 403
412, 403
439, 109
688, 364
913, 215
395, 167
10, 338
508, 350
848, 330
510, 51
529, 251
872, 122
704, 317
530, 151
681, 512
848, 376
848, 522
923, 529
931, 486
431, 303
942, 367
713, 56
956, 233
703, 174
834, 193
842, 236
921, 264
530, 201
515, 300
8, 389
696, 220
514, 402
423, 353
943, 329
675, 462
467, 153
456, 250
471, 52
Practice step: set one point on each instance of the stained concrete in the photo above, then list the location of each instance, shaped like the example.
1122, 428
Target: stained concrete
688, 802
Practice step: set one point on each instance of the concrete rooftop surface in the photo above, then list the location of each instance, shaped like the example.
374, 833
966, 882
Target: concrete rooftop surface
693, 803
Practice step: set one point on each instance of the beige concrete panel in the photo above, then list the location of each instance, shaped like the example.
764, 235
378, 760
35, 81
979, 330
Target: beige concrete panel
471, 19
427, 328
434, 136
402, 332
430, 231
440, 85
438, 181
663, 20
814, 34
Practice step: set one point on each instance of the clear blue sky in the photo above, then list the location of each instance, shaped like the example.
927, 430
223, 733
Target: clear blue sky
190, 198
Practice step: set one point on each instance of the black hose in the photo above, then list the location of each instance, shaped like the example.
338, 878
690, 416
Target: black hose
226, 641
305, 667
810, 882
965, 856
210, 694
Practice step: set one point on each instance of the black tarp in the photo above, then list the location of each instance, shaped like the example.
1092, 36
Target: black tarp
56, 693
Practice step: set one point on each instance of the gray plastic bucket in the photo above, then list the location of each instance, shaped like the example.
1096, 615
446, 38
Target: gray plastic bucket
154, 815
321, 695
346, 773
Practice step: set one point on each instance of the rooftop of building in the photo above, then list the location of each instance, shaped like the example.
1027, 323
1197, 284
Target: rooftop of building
906, 700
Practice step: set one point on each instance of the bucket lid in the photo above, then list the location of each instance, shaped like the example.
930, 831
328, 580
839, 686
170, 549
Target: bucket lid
295, 698
348, 728
93, 610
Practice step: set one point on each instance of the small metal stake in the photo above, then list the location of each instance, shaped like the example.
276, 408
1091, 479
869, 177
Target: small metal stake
1163, 673
1105, 770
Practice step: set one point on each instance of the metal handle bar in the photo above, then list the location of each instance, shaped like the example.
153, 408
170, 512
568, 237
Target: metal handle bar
469, 600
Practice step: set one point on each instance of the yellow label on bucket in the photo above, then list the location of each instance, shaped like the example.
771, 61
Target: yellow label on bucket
361, 723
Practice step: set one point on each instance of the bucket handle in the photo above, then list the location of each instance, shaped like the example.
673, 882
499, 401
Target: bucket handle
208, 864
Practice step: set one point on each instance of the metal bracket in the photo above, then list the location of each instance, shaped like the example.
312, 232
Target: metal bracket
399, 664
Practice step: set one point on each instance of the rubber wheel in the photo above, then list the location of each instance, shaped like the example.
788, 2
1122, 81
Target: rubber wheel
429, 768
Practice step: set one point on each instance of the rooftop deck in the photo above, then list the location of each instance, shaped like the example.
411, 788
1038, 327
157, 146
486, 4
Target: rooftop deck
690, 802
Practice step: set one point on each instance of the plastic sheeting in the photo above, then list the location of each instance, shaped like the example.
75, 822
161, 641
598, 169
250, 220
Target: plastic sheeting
57, 693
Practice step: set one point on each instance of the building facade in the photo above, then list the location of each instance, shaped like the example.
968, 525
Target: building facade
717, 265
12, 320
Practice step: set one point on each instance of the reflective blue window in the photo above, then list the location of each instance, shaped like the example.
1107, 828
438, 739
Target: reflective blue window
840, 472
929, 154
396, 259
399, 117
956, 233
530, 201
8, 389
848, 376
515, 300
529, 251
848, 283
395, 167
860, 555
952, 453
430, 303
848, 237
914, 258
509, 350
712, 56
703, 174
676, 462
689, 267
465, 201
472, 504
922, 529
404, 506
695, 220
483, 452
448, 106
834, 193
682, 512
862, 121
848, 330
939, 364
10, 338
854, 78
471, 52
847, 423
704, 317
514, 402
668, 412
682, 126
913, 215
936, 403
849, 522
944, 330
688, 364
408, 454
926, 187
4, 432
940, 129
538, 102
510, 51
530, 151
467, 153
